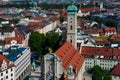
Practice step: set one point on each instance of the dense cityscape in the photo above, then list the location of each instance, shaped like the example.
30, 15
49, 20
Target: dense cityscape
59, 40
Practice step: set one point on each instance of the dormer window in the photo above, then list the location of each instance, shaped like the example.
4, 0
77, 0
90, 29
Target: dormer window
3, 65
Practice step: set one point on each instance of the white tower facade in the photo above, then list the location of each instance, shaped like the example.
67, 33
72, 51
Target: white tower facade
101, 5
72, 24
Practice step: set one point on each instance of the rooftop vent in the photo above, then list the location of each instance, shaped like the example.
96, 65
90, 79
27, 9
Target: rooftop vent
5, 53
14, 47
101, 56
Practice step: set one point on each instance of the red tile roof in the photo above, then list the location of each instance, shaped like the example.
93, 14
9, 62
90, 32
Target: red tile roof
17, 38
110, 29
114, 53
99, 31
38, 18
64, 12
116, 70
70, 56
115, 37
6, 60
85, 10
91, 31
9, 39
101, 42
3, 58
34, 25
5, 16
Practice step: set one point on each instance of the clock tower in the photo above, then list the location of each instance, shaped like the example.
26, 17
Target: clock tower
72, 24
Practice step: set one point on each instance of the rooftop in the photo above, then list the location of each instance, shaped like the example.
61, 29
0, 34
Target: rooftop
13, 53
6, 60
107, 53
70, 56
116, 70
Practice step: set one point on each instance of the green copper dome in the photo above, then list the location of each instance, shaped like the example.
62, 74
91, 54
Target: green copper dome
70, 67
72, 9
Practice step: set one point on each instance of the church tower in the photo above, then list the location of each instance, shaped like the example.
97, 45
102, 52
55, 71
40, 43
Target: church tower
101, 5
72, 24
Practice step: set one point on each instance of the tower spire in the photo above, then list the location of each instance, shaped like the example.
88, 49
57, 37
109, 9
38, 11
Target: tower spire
72, 2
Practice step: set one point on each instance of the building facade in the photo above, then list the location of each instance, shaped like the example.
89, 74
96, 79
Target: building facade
106, 58
7, 69
20, 56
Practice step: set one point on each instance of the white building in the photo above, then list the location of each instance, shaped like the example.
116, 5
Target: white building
7, 33
49, 27
106, 58
20, 56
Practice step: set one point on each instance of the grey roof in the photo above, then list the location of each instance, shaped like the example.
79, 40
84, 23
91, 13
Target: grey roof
23, 30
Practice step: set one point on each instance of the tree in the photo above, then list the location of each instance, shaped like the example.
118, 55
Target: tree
51, 41
41, 43
99, 73
36, 42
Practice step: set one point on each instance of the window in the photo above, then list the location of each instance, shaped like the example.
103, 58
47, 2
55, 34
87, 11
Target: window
11, 78
11, 74
6, 72
11, 69
1, 78
71, 27
71, 21
1, 74
6, 77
